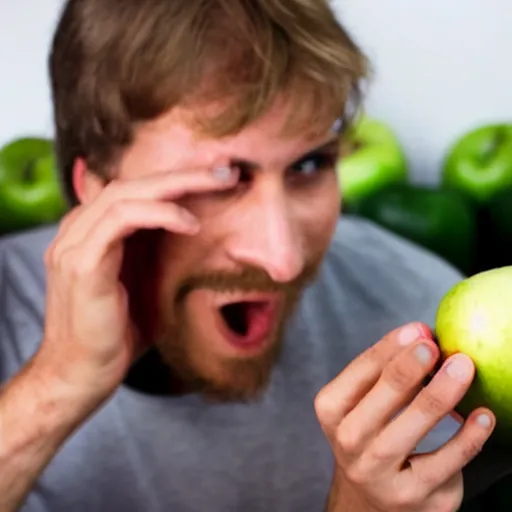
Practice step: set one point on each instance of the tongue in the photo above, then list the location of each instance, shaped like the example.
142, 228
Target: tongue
257, 320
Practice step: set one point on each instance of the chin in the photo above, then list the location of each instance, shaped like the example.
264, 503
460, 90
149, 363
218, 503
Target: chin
222, 379
230, 354
240, 380
225, 334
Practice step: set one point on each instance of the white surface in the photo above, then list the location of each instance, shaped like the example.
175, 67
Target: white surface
442, 67
26, 28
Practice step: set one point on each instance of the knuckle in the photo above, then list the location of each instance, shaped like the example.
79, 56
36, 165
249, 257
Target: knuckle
381, 353
81, 271
348, 439
356, 475
430, 402
56, 257
372, 358
67, 219
406, 497
63, 258
400, 374
382, 453
73, 264
118, 211
428, 479
374, 353
470, 448
325, 407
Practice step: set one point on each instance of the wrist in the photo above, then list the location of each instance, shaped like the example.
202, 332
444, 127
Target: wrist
41, 396
37, 414
344, 498
74, 375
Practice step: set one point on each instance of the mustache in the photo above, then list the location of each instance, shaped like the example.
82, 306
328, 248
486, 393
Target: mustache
247, 279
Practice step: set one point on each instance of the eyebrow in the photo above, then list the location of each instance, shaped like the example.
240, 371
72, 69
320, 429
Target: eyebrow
330, 145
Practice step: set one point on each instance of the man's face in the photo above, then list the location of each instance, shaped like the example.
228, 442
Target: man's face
220, 298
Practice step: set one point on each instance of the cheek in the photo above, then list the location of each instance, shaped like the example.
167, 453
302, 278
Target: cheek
318, 214
211, 210
312, 213
181, 257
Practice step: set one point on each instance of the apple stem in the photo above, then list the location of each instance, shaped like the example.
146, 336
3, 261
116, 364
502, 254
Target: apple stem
500, 137
28, 172
351, 146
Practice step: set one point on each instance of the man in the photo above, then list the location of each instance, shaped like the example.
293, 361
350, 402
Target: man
204, 333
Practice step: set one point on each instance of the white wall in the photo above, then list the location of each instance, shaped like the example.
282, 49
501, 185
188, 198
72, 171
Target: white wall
25, 31
442, 66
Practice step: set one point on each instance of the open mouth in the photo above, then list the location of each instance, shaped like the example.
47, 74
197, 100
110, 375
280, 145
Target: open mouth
248, 322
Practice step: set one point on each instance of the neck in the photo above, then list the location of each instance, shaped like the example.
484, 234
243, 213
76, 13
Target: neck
150, 375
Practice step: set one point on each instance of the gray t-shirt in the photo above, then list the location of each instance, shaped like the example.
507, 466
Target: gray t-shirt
144, 453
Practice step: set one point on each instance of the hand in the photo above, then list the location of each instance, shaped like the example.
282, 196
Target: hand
89, 338
376, 412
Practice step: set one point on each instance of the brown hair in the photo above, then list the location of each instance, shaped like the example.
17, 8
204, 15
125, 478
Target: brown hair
115, 63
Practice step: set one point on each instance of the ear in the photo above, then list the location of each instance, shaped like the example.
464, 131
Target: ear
87, 185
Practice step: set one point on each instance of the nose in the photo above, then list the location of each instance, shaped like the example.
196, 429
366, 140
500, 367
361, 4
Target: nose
267, 236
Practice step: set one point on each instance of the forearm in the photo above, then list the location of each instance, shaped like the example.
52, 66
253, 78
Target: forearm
37, 414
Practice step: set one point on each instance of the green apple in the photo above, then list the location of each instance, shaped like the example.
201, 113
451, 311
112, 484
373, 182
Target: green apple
495, 232
30, 191
480, 162
371, 158
475, 318
442, 221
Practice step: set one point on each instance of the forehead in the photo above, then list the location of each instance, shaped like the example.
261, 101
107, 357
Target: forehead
170, 142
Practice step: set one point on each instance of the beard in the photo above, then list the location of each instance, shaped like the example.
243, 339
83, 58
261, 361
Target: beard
163, 321
223, 378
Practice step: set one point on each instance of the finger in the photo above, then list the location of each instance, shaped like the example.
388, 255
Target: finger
428, 408
121, 221
65, 222
69, 218
173, 184
157, 187
338, 397
432, 470
399, 382
457, 417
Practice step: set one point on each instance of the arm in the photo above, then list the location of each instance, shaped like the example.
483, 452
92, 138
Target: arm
89, 339
38, 412
374, 437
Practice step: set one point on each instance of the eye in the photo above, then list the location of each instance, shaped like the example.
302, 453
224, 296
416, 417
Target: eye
245, 174
313, 165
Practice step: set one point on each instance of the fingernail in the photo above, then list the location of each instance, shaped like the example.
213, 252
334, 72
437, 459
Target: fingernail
408, 334
484, 420
337, 125
423, 354
459, 368
223, 173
